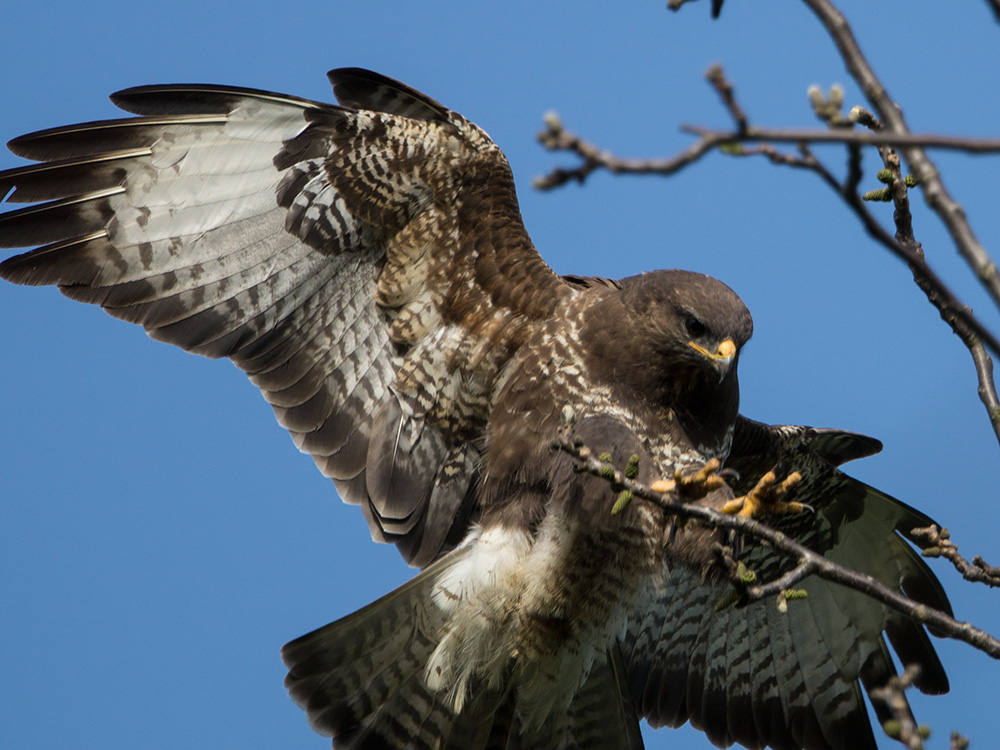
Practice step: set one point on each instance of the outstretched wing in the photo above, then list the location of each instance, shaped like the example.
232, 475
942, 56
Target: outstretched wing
365, 264
761, 677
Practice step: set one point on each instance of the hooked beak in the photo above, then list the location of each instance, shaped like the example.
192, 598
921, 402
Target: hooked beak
723, 357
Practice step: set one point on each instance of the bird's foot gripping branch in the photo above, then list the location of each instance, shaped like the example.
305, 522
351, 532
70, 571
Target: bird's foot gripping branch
806, 561
766, 498
693, 485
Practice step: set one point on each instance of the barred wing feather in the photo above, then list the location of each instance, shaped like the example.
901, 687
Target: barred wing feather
365, 268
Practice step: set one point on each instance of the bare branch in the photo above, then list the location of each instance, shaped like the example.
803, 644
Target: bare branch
938, 544
816, 564
935, 194
791, 135
725, 91
960, 324
901, 726
987, 388
556, 138
955, 313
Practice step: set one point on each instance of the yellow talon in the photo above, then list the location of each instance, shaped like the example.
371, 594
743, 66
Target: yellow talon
706, 479
692, 486
663, 485
765, 498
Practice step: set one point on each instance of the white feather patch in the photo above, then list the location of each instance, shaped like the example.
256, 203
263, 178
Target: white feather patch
477, 594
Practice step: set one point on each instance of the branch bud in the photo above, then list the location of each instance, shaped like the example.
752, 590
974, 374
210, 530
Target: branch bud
746, 575
815, 96
624, 498
836, 97
882, 194
892, 728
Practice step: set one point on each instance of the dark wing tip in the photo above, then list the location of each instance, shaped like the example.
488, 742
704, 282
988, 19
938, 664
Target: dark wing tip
16, 145
840, 446
756, 445
196, 99
365, 89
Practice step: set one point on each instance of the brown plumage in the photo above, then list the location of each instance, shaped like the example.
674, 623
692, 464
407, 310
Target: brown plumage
366, 266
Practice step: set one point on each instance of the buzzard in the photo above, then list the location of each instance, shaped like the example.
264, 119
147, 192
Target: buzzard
366, 265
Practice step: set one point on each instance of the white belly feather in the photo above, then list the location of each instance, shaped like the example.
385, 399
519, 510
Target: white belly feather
539, 611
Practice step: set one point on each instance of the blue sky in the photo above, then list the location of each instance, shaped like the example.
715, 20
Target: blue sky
161, 538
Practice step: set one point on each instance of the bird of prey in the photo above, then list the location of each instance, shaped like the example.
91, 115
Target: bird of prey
366, 265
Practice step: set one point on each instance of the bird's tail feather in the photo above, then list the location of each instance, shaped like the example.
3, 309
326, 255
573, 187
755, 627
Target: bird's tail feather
601, 715
361, 679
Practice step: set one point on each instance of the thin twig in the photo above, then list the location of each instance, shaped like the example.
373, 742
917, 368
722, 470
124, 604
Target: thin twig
556, 138
937, 543
901, 726
809, 562
725, 91
969, 334
955, 313
987, 388
841, 135
935, 194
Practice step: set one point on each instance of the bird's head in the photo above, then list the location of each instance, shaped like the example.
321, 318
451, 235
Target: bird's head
685, 335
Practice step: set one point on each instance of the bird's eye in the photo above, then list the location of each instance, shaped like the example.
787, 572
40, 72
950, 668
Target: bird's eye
695, 328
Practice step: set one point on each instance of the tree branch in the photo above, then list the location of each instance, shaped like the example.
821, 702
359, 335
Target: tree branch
808, 562
938, 544
955, 313
935, 194
791, 135
901, 726
556, 138
987, 388
961, 324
